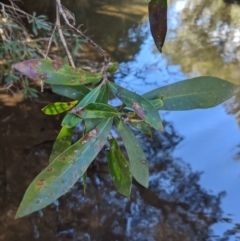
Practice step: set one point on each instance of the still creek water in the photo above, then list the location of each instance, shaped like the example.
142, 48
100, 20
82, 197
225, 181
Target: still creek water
195, 169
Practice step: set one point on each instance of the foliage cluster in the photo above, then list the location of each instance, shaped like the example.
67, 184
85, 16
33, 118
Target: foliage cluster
91, 95
25, 36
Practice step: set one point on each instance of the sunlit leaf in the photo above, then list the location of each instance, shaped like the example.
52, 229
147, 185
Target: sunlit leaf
58, 107
55, 73
142, 107
63, 172
62, 142
95, 110
119, 168
137, 159
73, 92
200, 92
71, 120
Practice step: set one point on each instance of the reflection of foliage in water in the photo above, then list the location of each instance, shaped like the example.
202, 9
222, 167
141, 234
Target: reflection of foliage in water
207, 40
233, 107
175, 206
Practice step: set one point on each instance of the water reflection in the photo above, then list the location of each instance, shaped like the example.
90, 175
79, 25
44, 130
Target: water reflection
206, 40
175, 207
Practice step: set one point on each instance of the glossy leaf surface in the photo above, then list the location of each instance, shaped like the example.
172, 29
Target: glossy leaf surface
95, 110
119, 168
142, 107
137, 160
58, 107
63, 172
55, 73
200, 92
72, 92
62, 142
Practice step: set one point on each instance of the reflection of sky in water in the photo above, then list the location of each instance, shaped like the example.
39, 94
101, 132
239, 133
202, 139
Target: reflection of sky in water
210, 135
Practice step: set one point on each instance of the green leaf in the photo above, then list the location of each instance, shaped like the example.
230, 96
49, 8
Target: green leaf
103, 97
95, 110
58, 107
72, 92
157, 103
62, 142
137, 159
119, 169
200, 92
55, 73
141, 126
91, 97
71, 120
63, 172
142, 107
91, 124
112, 68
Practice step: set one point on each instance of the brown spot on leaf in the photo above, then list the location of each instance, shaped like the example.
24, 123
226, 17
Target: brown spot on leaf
91, 135
78, 111
44, 76
41, 182
37, 201
50, 169
56, 65
138, 109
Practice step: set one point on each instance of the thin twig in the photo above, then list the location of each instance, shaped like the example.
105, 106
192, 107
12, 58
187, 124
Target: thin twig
58, 24
78, 31
50, 41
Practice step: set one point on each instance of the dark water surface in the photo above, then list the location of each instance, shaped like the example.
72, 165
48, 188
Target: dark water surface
195, 170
